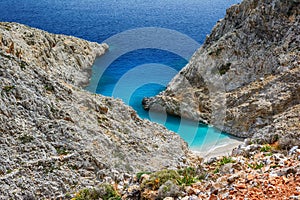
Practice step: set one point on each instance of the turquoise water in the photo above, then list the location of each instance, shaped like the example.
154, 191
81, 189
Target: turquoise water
144, 73
144, 62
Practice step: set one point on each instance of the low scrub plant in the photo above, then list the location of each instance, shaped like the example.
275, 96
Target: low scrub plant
265, 148
226, 160
103, 191
158, 178
256, 165
188, 176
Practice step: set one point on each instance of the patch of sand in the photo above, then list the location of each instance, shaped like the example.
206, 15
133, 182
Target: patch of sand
222, 147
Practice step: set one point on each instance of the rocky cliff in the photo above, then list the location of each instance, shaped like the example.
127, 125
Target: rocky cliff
57, 138
245, 79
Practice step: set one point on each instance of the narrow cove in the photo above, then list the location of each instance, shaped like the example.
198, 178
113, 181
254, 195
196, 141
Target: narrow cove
130, 79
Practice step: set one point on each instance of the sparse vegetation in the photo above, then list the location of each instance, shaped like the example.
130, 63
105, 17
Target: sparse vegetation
8, 88
26, 138
256, 166
274, 166
49, 88
8, 56
103, 191
87, 194
23, 65
182, 177
224, 68
217, 170
68, 195
158, 178
189, 176
7, 27
225, 160
265, 148
61, 151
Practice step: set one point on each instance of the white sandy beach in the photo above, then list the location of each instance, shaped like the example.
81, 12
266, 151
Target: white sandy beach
223, 147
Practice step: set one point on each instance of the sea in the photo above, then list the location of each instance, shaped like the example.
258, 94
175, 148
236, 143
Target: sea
150, 42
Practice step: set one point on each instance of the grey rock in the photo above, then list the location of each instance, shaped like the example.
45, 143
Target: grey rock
168, 198
133, 193
227, 168
57, 138
168, 189
211, 160
232, 178
246, 76
293, 150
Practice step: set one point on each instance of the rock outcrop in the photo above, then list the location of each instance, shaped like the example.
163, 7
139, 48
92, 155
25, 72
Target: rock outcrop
57, 138
245, 79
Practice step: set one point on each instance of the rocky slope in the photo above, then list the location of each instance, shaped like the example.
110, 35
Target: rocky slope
245, 79
57, 138
252, 172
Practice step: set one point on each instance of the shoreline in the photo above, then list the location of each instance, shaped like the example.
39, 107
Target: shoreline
220, 148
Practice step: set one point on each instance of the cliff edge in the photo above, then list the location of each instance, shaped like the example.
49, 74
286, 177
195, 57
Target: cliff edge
248, 71
57, 138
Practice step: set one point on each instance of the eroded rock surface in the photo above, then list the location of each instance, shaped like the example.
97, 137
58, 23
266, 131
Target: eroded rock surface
57, 138
245, 79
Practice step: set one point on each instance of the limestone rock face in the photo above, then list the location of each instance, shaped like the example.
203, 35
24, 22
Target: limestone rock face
246, 74
57, 138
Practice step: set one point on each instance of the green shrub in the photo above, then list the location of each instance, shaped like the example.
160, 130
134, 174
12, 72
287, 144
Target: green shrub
269, 154
188, 176
265, 148
183, 177
107, 192
103, 191
87, 194
217, 170
226, 160
68, 195
158, 178
256, 166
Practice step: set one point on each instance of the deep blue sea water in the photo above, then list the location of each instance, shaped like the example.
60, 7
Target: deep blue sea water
140, 62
